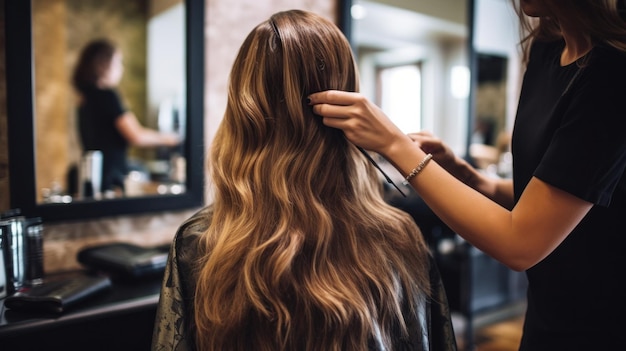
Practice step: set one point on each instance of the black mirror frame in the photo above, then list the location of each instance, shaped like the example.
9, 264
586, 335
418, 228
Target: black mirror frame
20, 115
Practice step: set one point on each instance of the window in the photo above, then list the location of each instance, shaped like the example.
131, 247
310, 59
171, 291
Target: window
400, 96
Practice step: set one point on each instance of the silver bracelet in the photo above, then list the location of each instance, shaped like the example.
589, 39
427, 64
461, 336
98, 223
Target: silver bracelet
419, 168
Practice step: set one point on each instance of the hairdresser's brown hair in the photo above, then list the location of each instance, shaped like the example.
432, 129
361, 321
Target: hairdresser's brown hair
602, 19
302, 253
93, 62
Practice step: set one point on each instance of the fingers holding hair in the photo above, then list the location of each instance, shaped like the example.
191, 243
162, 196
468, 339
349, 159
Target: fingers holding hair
333, 97
333, 103
362, 122
337, 109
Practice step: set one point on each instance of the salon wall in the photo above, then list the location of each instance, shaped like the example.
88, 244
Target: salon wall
226, 25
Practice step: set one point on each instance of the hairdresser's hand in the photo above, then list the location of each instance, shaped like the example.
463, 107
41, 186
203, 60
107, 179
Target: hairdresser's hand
363, 123
446, 158
441, 152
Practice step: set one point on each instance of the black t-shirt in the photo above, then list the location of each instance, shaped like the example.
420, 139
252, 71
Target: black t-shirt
577, 143
97, 113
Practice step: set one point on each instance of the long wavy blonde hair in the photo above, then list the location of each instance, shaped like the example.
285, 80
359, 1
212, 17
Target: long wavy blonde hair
302, 253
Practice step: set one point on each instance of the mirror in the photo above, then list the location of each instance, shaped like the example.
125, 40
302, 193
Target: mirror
498, 67
162, 43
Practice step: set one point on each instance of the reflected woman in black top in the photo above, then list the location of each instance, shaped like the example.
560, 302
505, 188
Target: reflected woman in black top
104, 122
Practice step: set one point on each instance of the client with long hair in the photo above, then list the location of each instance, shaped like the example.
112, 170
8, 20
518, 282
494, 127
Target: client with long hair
298, 250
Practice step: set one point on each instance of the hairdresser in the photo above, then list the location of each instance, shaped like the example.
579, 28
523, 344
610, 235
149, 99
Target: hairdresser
562, 217
104, 122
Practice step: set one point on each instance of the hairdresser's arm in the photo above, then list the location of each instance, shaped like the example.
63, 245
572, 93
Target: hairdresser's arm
519, 238
138, 135
498, 190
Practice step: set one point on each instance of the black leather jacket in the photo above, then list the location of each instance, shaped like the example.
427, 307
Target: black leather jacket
430, 327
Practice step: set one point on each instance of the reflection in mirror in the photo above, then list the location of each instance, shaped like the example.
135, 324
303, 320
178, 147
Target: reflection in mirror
490, 98
489, 139
149, 38
163, 85
413, 63
498, 78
